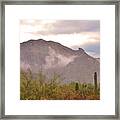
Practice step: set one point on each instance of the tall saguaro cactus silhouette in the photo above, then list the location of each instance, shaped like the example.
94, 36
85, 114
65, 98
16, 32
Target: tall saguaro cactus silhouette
95, 81
76, 87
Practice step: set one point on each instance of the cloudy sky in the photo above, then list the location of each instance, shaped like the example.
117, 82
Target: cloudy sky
71, 33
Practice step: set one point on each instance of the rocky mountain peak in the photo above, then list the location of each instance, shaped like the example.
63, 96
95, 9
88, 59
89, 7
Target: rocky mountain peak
53, 57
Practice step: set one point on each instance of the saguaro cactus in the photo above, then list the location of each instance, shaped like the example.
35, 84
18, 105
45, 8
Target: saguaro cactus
76, 87
95, 81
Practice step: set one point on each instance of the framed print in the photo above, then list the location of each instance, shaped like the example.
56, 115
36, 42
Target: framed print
59, 59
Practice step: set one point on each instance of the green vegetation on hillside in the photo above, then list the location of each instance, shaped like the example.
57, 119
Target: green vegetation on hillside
36, 88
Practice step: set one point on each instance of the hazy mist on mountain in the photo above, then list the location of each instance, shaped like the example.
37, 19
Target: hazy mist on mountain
52, 57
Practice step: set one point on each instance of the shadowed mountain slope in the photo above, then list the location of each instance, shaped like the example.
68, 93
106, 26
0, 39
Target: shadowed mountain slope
52, 57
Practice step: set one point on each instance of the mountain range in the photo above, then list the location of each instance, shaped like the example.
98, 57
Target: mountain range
52, 57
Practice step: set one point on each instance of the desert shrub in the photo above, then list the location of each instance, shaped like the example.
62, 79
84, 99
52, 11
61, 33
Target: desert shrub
40, 88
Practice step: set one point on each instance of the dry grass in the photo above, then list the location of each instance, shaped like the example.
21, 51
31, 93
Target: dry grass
37, 89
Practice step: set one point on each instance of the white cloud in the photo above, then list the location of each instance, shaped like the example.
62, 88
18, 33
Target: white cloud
70, 33
54, 59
